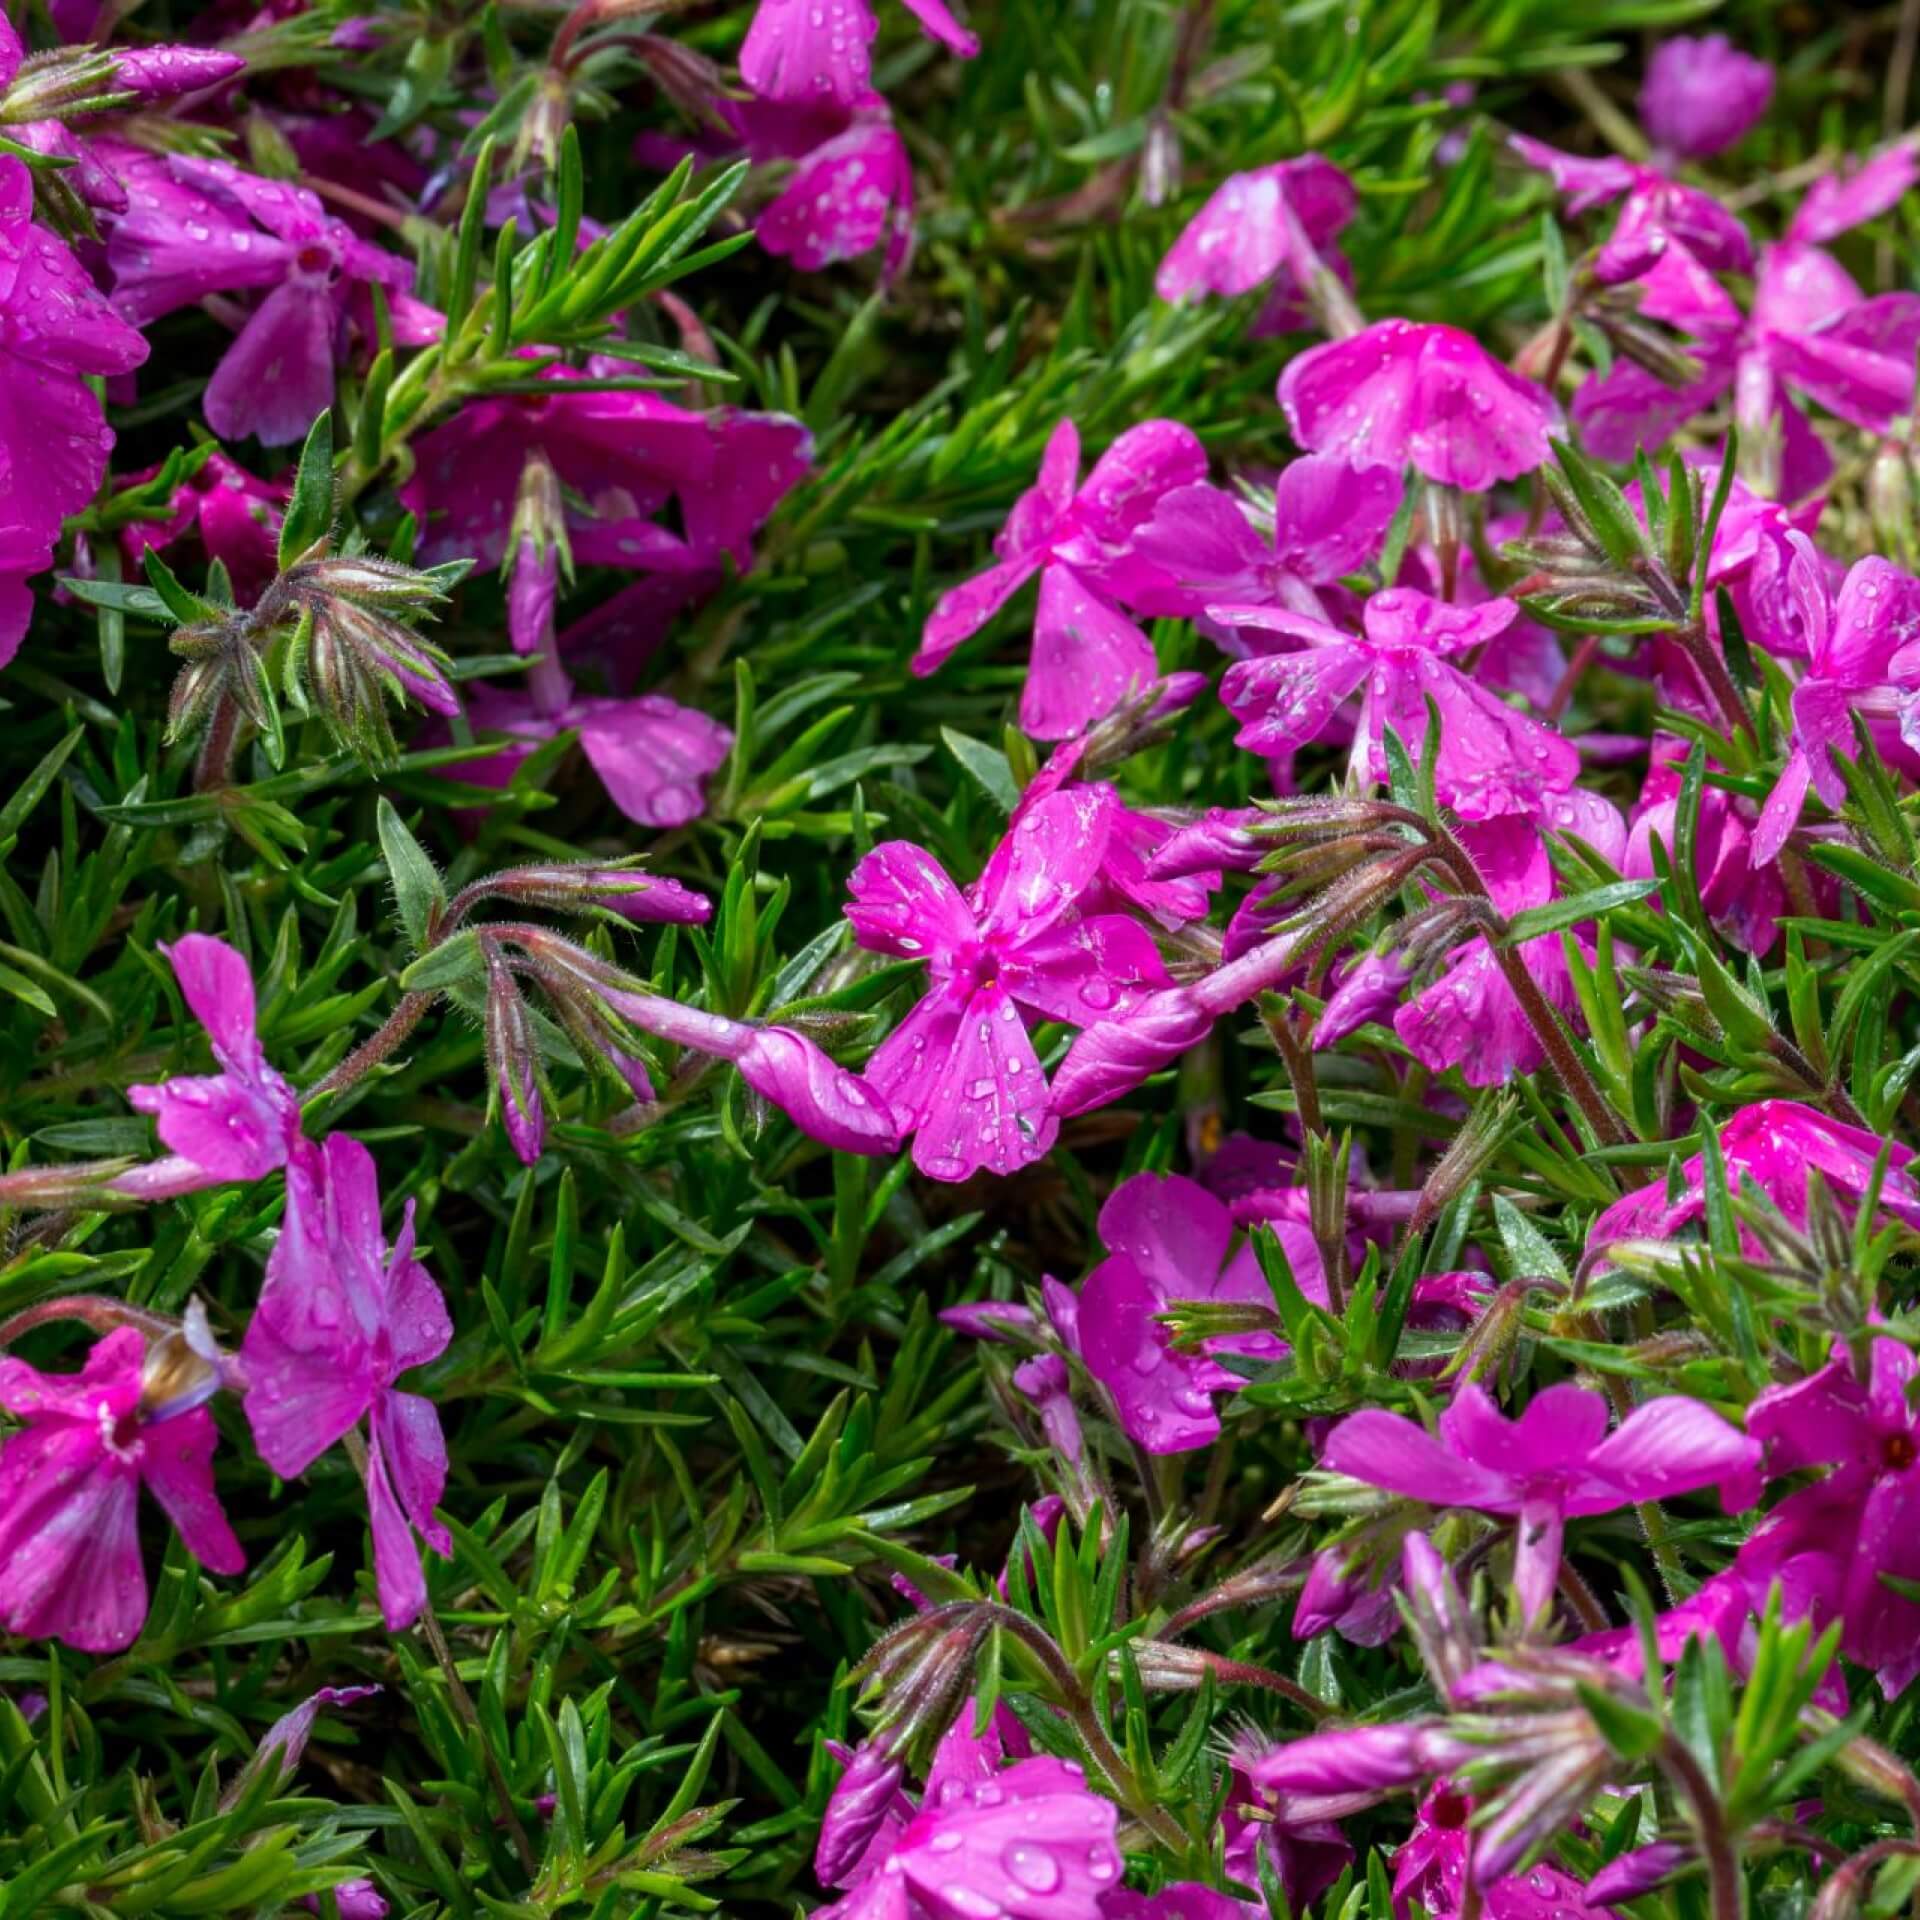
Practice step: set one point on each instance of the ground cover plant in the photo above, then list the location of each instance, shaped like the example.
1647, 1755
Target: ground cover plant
959, 966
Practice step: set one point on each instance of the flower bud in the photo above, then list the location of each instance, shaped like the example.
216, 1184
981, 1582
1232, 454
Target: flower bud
1890, 499
1352, 1759
1223, 837
538, 556
563, 888
823, 1100
61, 85
856, 1809
157, 73
1641, 1871
82, 1185
1113, 1057
513, 1061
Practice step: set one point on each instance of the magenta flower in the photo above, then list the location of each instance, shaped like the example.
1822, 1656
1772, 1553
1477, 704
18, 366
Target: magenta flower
1432, 397
1168, 1240
1828, 1544
1857, 642
1183, 1900
70, 1484
197, 227
55, 330
846, 196
1431, 1866
1026, 1842
621, 457
1469, 1016
1299, 1835
340, 1320
960, 1070
235, 515
1329, 520
651, 754
238, 1124
354, 1900
1773, 1144
1268, 225
1493, 758
1811, 332
817, 50
1555, 1462
1700, 95
1087, 655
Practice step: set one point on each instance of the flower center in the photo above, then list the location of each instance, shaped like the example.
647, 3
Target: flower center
314, 259
120, 1435
1450, 1810
1897, 1452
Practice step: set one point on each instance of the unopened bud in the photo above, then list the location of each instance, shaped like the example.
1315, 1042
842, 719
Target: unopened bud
856, 1809
630, 891
1223, 838
61, 85
1639, 1872
513, 1066
1890, 499
538, 555
157, 73
82, 1184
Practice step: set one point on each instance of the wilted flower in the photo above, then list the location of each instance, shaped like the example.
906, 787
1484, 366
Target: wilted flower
340, 1319
70, 1483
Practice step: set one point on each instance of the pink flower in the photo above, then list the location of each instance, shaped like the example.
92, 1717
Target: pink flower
1026, 1842
1857, 642
1556, 1461
70, 1480
339, 1321
960, 1070
1329, 519
623, 457
1252, 229
55, 330
354, 1899
1087, 655
238, 1124
1743, 898
1493, 759
1183, 1900
848, 195
1701, 95
196, 227
651, 754
1431, 1866
1430, 396
1774, 1144
1168, 1240
1828, 1544
1811, 331
235, 514
816, 50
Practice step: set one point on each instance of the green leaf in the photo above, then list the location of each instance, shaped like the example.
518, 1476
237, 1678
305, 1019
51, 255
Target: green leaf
1574, 908
988, 766
416, 882
310, 508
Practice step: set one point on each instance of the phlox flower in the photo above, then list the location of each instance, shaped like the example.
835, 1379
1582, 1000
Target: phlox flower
1431, 1866
55, 331
196, 227
817, 50
960, 1070
70, 1483
1168, 1240
1493, 758
1810, 331
1402, 394
1200, 548
1701, 94
1857, 641
235, 515
1555, 1462
847, 195
1087, 655
1828, 1544
1265, 226
1026, 1841
1774, 1144
238, 1124
340, 1319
